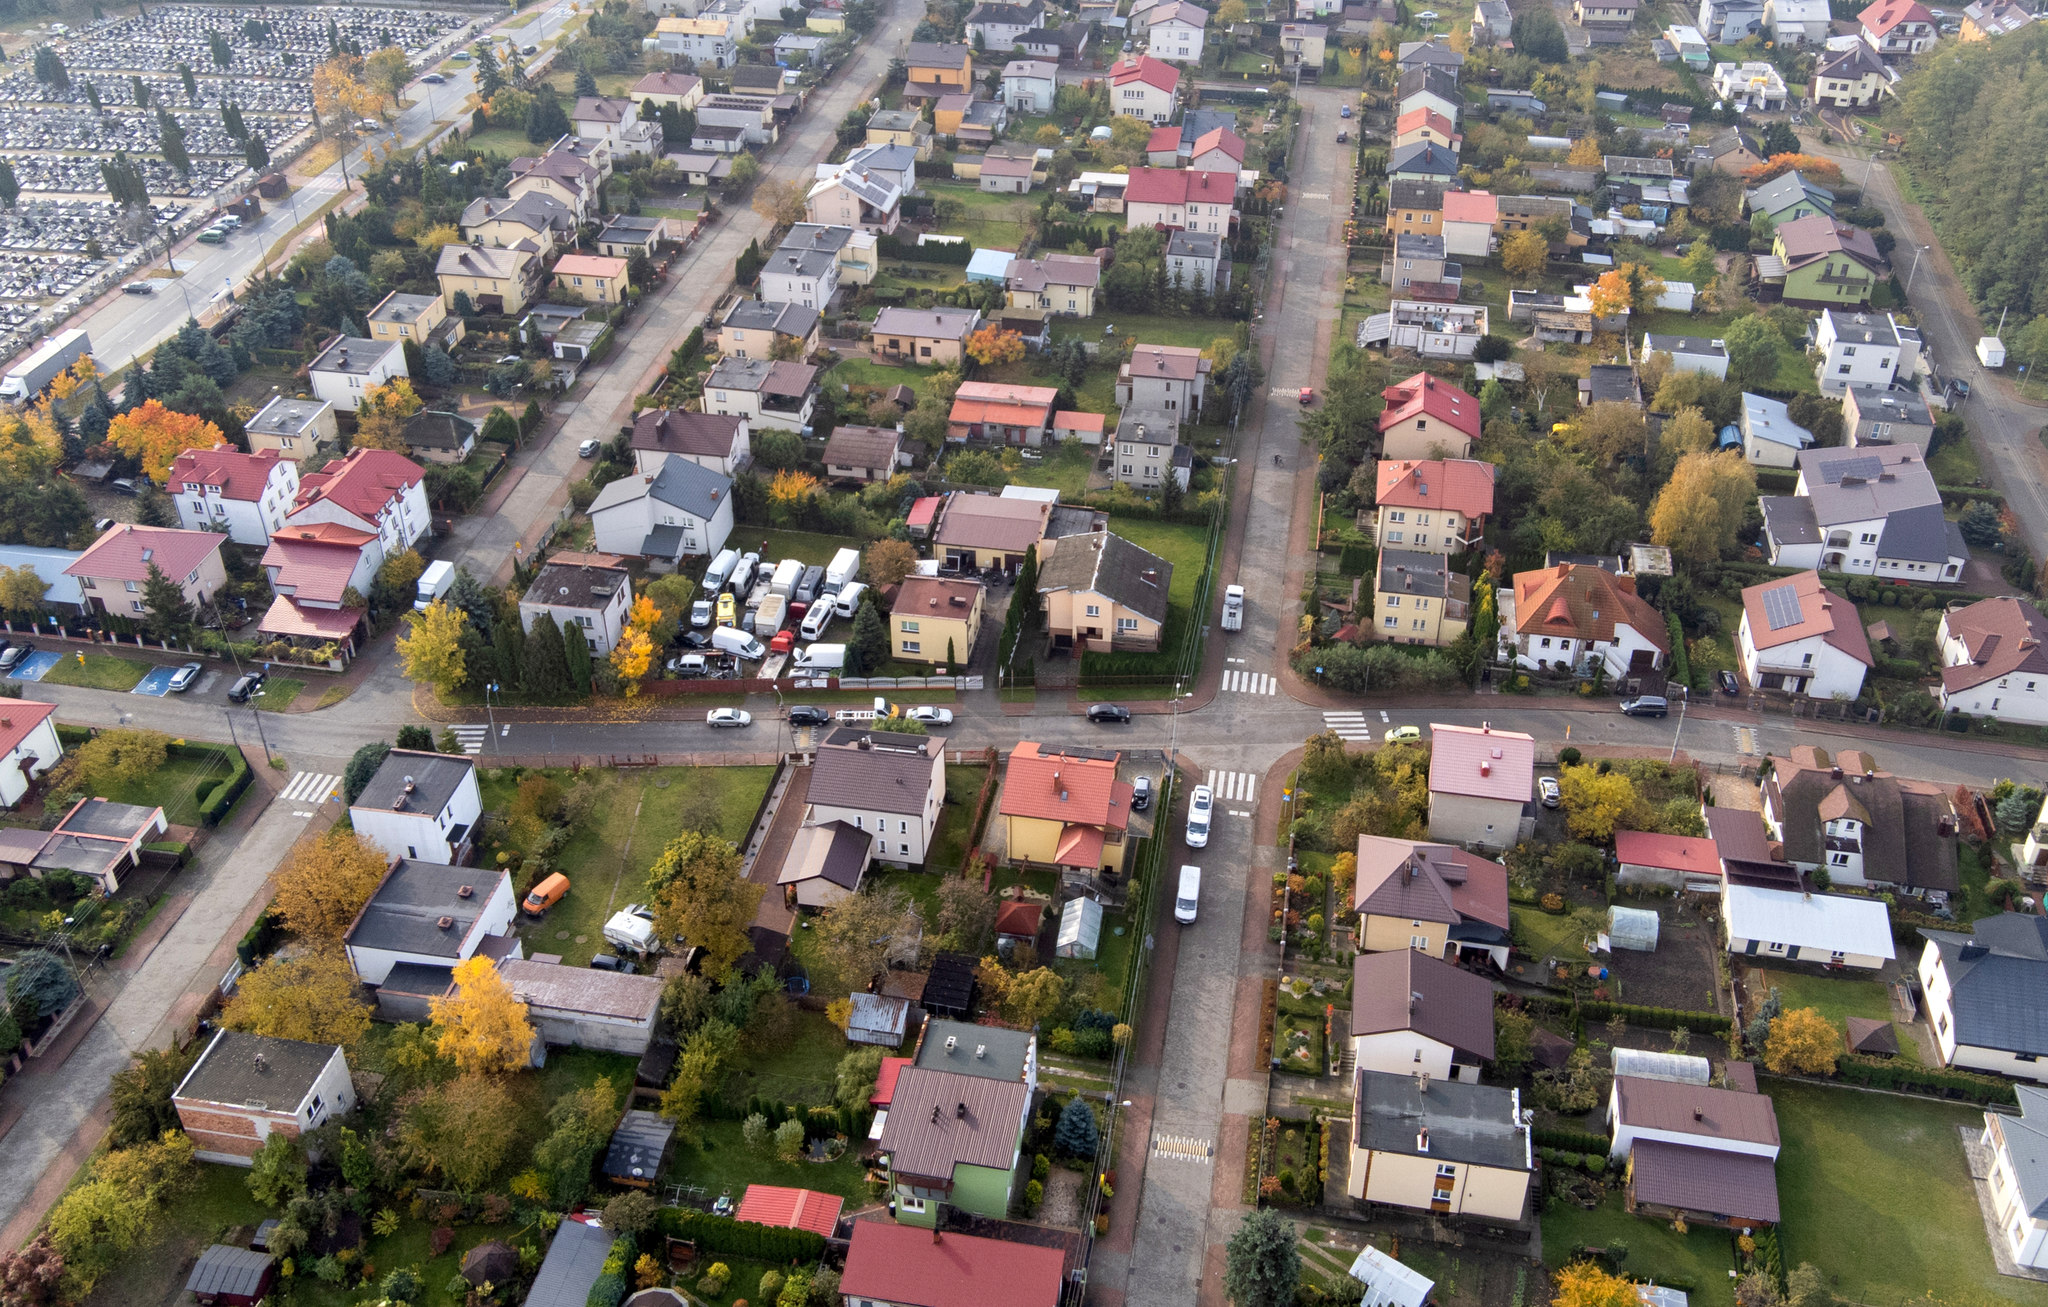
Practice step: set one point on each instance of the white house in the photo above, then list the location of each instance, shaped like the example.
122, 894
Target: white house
247, 495
1689, 353
351, 365
1469, 218
1144, 87
1029, 85
1149, 450
1863, 348
1865, 826
1181, 197
1640, 1109
1992, 660
372, 490
1198, 260
853, 195
419, 805
891, 786
1176, 31
1414, 1014
28, 746
1751, 84
681, 510
592, 598
1770, 438
1565, 614
805, 277
1164, 378
997, 25
1798, 22
615, 122
429, 915
718, 441
2018, 1146
1827, 928
1983, 991
765, 392
1874, 511
582, 1007
1897, 29
245, 1088
708, 42
1797, 637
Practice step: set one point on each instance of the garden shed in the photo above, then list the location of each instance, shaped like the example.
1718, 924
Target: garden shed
236, 1277
1080, 929
637, 1149
1389, 1283
1647, 1064
1634, 929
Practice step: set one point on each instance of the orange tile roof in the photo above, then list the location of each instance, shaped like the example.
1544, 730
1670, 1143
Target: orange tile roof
1455, 485
1043, 783
1441, 400
590, 265
795, 1209
1583, 603
1821, 613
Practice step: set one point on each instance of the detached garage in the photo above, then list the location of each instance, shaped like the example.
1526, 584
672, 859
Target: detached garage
584, 1008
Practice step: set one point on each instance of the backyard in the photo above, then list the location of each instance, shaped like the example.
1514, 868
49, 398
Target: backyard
956, 817
1834, 998
1702, 1257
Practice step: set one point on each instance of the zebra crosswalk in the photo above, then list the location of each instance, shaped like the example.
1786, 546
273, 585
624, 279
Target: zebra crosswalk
309, 787
472, 737
1184, 1148
1237, 682
1348, 725
1240, 787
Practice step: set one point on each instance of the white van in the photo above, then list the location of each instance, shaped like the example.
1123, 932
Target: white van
720, 571
1190, 894
816, 619
743, 573
732, 640
847, 602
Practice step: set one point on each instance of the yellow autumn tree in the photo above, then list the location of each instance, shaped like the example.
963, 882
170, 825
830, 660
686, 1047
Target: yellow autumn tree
380, 418
1698, 514
310, 996
1597, 804
1524, 254
1609, 295
325, 881
1583, 1284
74, 379
482, 1025
992, 345
430, 647
1802, 1040
1585, 153
633, 656
339, 91
154, 436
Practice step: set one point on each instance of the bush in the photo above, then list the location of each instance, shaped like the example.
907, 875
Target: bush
1034, 1194
1882, 1073
1655, 1018
723, 1234
1575, 1140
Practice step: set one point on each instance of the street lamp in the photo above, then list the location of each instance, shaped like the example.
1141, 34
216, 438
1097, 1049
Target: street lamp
1684, 697
1916, 265
257, 713
490, 689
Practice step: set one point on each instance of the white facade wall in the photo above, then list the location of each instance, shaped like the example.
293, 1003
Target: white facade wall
2026, 1237
1175, 42
601, 626
248, 521
1625, 1136
811, 292
1941, 1018
399, 524
43, 745
1405, 1052
422, 836
1827, 672
2017, 697
1535, 652
623, 528
1853, 363
345, 390
372, 965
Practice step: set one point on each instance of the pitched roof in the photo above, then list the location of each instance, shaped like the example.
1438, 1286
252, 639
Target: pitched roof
1104, 563
1883, 16
316, 561
991, 521
772, 315
285, 617
2000, 636
1996, 978
942, 1119
885, 1080
1181, 11
1002, 403
905, 1264
481, 261
1702, 1110
1860, 484
680, 431
1812, 923
1471, 206
125, 552
1179, 186
874, 773
1054, 270
1790, 188
795, 1209
575, 1259
257, 1071
1482, 763
1220, 138
1424, 394
1407, 193
1686, 853
939, 323
1177, 362
1769, 419
937, 54
1020, 919
240, 476
1741, 1185
1451, 1121
1406, 989
584, 991
364, 483
1430, 882
1436, 81
863, 446
1902, 842
762, 376
1424, 157
1799, 607
1078, 786
18, 719
1144, 68
590, 265
2026, 1146
1871, 1035
1816, 236
1031, 68
1584, 603
1455, 485
664, 82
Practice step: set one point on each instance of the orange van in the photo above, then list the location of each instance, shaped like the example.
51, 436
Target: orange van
546, 894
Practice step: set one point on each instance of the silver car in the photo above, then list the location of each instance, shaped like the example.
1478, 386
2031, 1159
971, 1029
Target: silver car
186, 677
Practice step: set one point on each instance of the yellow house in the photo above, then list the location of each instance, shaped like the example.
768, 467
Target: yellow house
496, 281
669, 90
935, 620
1060, 283
1419, 598
937, 68
948, 111
411, 317
1432, 898
1416, 209
1477, 1163
1103, 594
982, 531
593, 276
1067, 811
904, 127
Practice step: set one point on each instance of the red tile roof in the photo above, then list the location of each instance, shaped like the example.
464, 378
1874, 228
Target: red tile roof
1686, 853
315, 565
885, 1080
1883, 16
1999, 636
1165, 140
1584, 603
1455, 485
1425, 117
1821, 613
1482, 763
991, 401
1471, 206
1020, 918
1441, 400
239, 476
1071, 420
1043, 783
924, 510
1144, 68
17, 719
125, 552
363, 483
796, 1209
1179, 186
287, 618
916, 1267
1220, 138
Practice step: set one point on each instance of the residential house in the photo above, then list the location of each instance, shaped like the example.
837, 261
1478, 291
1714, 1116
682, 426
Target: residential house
1433, 329
1029, 86
1149, 452
1419, 599
1432, 53
1606, 22
112, 570
1786, 197
890, 786
1435, 506
855, 196
98, 839
1981, 988
534, 220
28, 747
852, 251
1866, 826
420, 805
1798, 637
1875, 415
1217, 150
1855, 77
431, 915
1063, 284
593, 277
1165, 378
499, 281
1689, 45
582, 1007
349, 366
1672, 862
1481, 783
1001, 412
717, 139
982, 531
1752, 84
758, 328
933, 69
1513, 101
930, 336
864, 454
708, 42
905, 127
1822, 263
995, 26
799, 49
1865, 350
2018, 1150
1416, 1015
701, 169
1198, 261
1304, 46
417, 318
987, 1052
1985, 19
563, 174
1003, 175
1428, 88
1798, 23
936, 619
1469, 218
1696, 1152
1431, 898
1528, 212
1569, 614
593, 599
1416, 265
765, 81
1897, 29
1103, 594
291, 427
1992, 662
753, 115
1729, 22
372, 490
1427, 418
1425, 126
1492, 21
807, 277
764, 392
682, 509
669, 90
615, 122
1833, 929
1565, 318
222, 489
245, 1088
897, 1266
1065, 809
1770, 438
1415, 207
1423, 162
1728, 150
717, 441
1451, 1149
1180, 197
1143, 87
1175, 30
1874, 511
1689, 353
440, 437
311, 567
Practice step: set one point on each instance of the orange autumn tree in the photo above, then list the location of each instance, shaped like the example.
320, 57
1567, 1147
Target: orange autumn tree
154, 436
1610, 295
1810, 166
633, 656
381, 417
992, 345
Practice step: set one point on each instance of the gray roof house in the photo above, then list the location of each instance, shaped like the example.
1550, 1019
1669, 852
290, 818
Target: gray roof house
684, 508
1874, 415
1873, 511
2019, 1168
1410, 1120
1110, 565
890, 786
1689, 353
427, 913
1788, 196
990, 1052
1770, 438
1423, 161
1985, 995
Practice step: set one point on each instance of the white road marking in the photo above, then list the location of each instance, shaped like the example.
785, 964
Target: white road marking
472, 737
1184, 1148
1348, 725
310, 787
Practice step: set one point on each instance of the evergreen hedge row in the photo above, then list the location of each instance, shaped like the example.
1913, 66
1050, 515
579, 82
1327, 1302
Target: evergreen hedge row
1655, 1018
723, 1234
1884, 1073
1574, 1141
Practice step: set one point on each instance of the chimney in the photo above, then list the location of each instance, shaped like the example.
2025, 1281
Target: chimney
1422, 1087
959, 1111
952, 1042
1699, 1114
937, 1113
465, 891
1486, 767
408, 785
980, 1051
262, 1065
445, 923
1422, 1135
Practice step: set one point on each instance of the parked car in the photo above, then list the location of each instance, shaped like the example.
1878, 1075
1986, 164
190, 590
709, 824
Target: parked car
1200, 807
931, 716
185, 677
11, 656
804, 714
1344, 111
1108, 712
1552, 795
1141, 794
1343, 137
589, 448
433, 79
121, 486
700, 614
1727, 683
245, 686
718, 717
139, 288
1404, 735
1646, 705
693, 640
1308, 396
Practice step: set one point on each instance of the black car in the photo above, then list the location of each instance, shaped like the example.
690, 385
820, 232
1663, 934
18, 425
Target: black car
1108, 712
694, 640
1726, 680
245, 687
804, 714
11, 656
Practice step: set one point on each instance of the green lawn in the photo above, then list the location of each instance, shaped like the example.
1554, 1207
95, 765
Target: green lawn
503, 140
633, 815
1065, 468
1146, 328
99, 671
799, 1072
172, 785
723, 1164
867, 372
949, 841
1702, 1255
278, 693
1184, 545
1834, 998
1955, 464
922, 276
1548, 936
990, 221
1876, 1194
807, 546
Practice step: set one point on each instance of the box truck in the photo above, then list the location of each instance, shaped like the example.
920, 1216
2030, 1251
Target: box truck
787, 573
434, 583
1233, 607
845, 565
33, 375
768, 617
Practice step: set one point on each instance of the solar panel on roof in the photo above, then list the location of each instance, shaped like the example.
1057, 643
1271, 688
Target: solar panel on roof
1867, 468
1781, 607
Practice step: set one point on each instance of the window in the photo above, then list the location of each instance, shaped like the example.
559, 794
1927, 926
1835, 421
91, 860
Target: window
912, 646
132, 586
1868, 538
1126, 623
905, 848
1419, 943
910, 628
902, 827
1393, 537
136, 605
1396, 515
1093, 610
1774, 948
1394, 601
1392, 622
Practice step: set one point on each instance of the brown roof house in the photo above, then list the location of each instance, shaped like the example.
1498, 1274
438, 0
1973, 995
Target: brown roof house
1992, 660
1431, 898
721, 442
953, 1139
1693, 1151
1565, 615
863, 454
586, 1008
1103, 594
825, 864
245, 1088
1413, 1014
1867, 827
886, 785
980, 531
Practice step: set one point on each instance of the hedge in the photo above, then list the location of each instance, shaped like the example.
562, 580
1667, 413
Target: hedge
1881, 1073
72, 736
1574, 1141
1681, 661
1656, 1018
215, 806
263, 935
723, 1234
